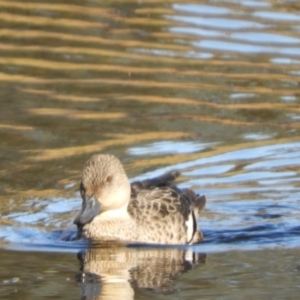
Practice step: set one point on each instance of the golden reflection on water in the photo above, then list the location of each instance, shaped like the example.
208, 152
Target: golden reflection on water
77, 78
82, 78
74, 114
114, 140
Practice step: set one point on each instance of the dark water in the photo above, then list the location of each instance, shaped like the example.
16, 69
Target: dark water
209, 88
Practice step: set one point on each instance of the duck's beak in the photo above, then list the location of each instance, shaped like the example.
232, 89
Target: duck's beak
89, 210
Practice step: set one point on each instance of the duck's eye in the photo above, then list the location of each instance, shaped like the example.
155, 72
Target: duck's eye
108, 179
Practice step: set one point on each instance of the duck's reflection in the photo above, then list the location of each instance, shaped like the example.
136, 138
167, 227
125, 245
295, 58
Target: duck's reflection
114, 273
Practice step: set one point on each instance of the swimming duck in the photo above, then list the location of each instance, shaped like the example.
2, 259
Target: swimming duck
150, 211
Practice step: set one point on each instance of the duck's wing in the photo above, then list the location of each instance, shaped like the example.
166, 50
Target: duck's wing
166, 180
169, 207
160, 181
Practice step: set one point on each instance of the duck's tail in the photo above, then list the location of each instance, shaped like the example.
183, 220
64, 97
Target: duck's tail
197, 202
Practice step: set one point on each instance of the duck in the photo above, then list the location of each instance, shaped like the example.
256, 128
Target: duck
151, 211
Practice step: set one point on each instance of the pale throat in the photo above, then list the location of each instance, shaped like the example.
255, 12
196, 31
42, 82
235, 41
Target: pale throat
118, 213
114, 205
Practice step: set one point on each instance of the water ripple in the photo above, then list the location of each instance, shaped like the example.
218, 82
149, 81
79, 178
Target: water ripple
277, 16
221, 23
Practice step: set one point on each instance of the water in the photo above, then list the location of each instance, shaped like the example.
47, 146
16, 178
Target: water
209, 88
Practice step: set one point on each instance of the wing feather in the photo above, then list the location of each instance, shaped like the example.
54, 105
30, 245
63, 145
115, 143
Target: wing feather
158, 201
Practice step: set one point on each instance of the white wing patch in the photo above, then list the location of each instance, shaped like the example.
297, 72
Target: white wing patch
190, 229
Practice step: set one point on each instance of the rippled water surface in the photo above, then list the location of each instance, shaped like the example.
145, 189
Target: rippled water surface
208, 88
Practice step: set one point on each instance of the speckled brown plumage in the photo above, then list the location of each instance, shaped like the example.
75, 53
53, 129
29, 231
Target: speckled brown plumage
149, 211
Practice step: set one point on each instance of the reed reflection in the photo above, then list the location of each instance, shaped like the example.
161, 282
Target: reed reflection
119, 272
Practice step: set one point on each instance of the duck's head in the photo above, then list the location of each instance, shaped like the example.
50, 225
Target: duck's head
104, 187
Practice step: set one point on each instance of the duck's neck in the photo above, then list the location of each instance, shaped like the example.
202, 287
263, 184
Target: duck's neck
112, 214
